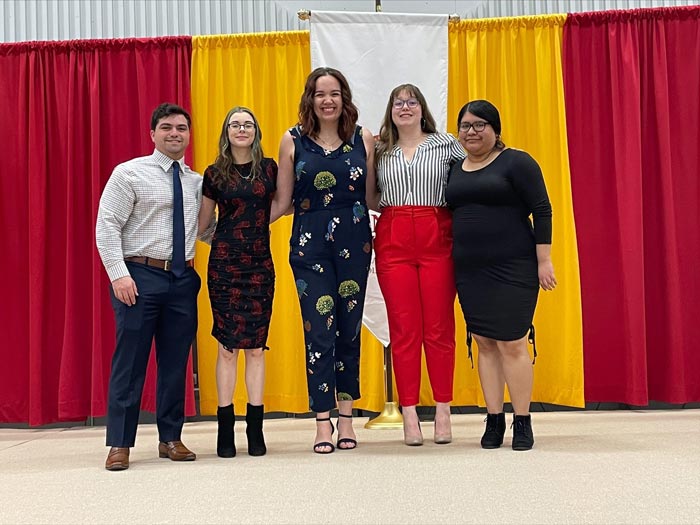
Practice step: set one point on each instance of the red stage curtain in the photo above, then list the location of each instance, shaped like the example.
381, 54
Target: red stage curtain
632, 85
70, 112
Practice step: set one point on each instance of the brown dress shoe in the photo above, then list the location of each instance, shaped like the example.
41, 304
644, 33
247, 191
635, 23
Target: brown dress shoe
176, 451
117, 459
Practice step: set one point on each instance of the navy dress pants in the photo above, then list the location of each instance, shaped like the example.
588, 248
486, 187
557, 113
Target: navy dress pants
165, 311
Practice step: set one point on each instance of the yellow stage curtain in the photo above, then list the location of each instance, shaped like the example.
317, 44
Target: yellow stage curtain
516, 64
265, 72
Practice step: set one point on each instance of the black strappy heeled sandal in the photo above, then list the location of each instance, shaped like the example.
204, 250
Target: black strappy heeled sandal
328, 444
345, 441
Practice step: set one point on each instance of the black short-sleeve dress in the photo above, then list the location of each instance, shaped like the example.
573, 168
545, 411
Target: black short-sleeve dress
494, 242
241, 275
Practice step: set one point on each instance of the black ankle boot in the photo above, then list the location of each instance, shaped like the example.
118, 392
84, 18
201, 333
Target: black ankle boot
225, 442
254, 430
495, 430
522, 433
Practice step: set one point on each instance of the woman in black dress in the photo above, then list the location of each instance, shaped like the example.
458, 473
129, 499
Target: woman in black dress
241, 276
500, 262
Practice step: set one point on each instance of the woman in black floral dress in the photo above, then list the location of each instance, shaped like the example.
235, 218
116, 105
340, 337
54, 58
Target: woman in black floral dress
241, 276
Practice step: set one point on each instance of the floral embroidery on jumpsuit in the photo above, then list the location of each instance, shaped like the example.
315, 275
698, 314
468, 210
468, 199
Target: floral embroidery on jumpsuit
330, 251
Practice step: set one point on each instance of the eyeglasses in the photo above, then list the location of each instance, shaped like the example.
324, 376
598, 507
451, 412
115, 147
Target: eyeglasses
478, 126
412, 103
247, 126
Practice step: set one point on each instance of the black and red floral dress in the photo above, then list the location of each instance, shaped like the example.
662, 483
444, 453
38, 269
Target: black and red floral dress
241, 275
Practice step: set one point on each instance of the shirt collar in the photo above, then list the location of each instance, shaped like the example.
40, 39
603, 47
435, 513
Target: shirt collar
166, 162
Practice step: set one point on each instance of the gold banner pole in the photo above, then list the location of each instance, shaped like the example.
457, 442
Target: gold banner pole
305, 14
390, 416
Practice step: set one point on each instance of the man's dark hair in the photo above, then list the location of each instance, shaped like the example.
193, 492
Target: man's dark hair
165, 110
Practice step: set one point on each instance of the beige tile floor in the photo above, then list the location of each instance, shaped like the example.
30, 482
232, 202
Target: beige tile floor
587, 467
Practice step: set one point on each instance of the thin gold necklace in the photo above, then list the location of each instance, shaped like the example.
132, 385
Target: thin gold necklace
249, 178
331, 146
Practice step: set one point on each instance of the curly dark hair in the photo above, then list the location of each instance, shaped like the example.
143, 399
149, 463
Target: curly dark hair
307, 117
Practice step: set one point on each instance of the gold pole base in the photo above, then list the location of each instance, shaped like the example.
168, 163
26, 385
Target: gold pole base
389, 418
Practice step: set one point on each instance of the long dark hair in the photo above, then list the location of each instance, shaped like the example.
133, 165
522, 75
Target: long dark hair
307, 117
224, 160
389, 133
487, 111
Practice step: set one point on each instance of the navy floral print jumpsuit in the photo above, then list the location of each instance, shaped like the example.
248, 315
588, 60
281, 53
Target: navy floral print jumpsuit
330, 252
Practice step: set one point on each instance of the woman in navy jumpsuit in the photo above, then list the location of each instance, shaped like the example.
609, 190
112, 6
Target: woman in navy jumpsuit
326, 162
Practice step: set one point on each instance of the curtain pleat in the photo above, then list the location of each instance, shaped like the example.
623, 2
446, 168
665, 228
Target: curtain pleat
516, 64
632, 82
71, 113
265, 72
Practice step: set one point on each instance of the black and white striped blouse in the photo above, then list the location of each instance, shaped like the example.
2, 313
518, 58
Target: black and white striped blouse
422, 181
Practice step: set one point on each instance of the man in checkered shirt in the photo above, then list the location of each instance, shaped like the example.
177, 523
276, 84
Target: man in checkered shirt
134, 236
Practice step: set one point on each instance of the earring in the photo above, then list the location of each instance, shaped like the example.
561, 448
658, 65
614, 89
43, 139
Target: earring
422, 123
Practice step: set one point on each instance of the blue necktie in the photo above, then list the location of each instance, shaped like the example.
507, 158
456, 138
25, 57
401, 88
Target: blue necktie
178, 263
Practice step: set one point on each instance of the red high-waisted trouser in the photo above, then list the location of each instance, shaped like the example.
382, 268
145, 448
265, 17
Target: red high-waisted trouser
413, 249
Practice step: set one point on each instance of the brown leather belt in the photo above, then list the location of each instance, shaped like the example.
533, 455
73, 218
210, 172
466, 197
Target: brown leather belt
158, 263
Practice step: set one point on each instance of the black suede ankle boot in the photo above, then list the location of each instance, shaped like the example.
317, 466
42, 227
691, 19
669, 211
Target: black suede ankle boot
225, 442
254, 430
522, 433
495, 430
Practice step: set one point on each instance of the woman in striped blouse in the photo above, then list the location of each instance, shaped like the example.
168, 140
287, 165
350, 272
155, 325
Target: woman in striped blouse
413, 248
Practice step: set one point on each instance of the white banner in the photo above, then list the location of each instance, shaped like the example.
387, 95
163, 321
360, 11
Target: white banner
378, 51
374, 315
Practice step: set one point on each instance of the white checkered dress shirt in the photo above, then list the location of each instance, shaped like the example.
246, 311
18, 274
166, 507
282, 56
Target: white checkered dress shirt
135, 217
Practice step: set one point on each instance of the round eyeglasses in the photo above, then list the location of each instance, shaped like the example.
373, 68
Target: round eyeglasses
412, 103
